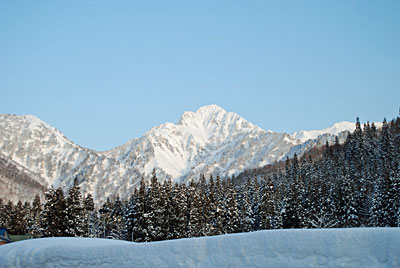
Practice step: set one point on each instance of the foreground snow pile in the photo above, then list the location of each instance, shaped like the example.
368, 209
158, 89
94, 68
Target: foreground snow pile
363, 247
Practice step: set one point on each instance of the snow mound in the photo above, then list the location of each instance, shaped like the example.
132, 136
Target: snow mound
361, 247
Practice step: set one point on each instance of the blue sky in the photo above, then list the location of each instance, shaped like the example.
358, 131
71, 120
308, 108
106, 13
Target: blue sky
103, 72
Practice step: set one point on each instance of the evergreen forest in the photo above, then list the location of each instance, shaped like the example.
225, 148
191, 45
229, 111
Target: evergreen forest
354, 184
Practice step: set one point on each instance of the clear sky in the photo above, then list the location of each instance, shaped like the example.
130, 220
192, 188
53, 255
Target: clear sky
103, 72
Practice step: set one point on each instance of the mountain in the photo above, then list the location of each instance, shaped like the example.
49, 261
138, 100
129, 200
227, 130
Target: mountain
208, 141
45, 151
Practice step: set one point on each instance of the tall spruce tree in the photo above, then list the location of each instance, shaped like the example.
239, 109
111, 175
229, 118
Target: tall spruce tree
154, 217
3, 214
54, 217
75, 212
140, 232
178, 212
91, 221
193, 211
34, 217
232, 222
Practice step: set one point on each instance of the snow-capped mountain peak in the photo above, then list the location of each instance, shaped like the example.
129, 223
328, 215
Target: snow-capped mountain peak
203, 114
203, 136
214, 123
210, 116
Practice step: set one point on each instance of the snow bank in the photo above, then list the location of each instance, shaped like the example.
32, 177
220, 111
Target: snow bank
363, 247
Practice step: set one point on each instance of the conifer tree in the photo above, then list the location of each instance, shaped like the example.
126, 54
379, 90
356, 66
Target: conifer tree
140, 232
166, 213
255, 204
54, 218
178, 212
203, 206
75, 211
211, 208
20, 218
219, 207
232, 223
34, 217
154, 217
193, 211
116, 220
267, 206
91, 221
130, 216
3, 214
105, 219
246, 213
10, 216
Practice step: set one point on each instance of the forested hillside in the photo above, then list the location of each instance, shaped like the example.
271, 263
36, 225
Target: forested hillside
350, 185
18, 183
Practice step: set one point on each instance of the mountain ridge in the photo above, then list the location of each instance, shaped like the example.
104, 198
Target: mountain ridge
208, 141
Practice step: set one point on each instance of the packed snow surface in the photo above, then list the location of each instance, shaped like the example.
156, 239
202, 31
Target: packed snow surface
360, 247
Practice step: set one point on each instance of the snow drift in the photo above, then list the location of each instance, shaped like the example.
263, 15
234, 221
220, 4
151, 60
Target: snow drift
362, 247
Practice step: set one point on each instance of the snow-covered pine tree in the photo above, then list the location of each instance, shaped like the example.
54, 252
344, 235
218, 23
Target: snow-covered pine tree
91, 220
25, 215
165, 204
46, 213
53, 217
246, 213
348, 214
219, 207
178, 212
211, 208
293, 211
232, 222
116, 220
267, 206
193, 211
140, 232
10, 218
204, 205
255, 203
3, 214
105, 218
34, 217
129, 216
153, 217
75, 212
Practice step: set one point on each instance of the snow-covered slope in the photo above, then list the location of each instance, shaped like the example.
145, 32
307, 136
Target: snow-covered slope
362, 247
18, 183
46, 152
337, 128
208, 141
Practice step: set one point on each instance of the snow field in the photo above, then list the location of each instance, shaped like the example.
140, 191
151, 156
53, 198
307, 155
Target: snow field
359, 247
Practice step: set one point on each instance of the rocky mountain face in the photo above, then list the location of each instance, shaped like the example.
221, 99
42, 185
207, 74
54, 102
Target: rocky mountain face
18, 183
208, 141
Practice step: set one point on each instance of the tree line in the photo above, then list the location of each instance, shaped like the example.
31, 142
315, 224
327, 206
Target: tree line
355, 184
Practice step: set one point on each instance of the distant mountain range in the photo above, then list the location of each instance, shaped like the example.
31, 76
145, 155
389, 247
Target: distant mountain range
208, 141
